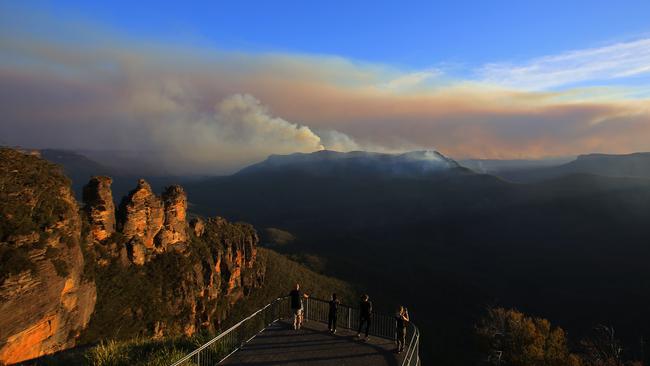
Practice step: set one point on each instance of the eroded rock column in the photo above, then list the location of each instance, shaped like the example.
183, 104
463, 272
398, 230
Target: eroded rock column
142, 214
99, 206
174, 228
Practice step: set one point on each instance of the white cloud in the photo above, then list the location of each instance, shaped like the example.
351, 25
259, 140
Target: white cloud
620, 60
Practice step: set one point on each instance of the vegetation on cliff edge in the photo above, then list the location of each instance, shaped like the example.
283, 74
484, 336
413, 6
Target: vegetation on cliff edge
30, 202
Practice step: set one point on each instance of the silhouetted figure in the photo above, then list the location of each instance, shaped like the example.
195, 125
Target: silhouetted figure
295, 298
334, 304
401, 319
365, 315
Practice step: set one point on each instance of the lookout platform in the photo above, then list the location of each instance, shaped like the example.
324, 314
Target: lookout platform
313, 345
266, 338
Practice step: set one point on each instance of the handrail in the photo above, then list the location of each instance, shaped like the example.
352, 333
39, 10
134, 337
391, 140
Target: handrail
224, 333
412, 355
231, 340
382, 325
234, 337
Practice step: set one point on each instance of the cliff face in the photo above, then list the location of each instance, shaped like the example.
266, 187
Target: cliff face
69, 276
45, 298
233, 271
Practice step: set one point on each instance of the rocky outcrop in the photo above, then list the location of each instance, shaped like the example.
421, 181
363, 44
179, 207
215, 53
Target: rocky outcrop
228, 274
99, 206
192, 290
151, 224
237, 256
145, 268
198, 270
174, 228
45, 298
142, 215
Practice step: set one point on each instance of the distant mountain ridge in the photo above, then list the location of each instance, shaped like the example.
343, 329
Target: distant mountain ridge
326, 162
635, 165
80, 167
629, 165
495, 166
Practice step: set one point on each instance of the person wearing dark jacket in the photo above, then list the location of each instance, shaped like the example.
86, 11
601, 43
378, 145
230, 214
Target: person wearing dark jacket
331, 324
295, 298
401, 320
365, 315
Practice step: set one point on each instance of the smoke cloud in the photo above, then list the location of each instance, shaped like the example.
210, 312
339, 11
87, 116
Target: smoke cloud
338, 141
240, 131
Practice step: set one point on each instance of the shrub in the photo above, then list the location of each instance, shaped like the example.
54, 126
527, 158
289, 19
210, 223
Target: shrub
14, 260
520, 340
61, 267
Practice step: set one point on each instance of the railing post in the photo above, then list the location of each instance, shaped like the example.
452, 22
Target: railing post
349, 318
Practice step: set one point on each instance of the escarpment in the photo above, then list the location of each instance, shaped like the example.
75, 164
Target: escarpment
75, 273
46, 297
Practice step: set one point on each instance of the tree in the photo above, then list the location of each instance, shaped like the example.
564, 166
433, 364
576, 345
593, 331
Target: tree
602, 348
513, 339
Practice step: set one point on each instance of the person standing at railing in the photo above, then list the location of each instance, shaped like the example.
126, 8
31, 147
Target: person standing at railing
401, 319
295, 297
365, 315
331, 323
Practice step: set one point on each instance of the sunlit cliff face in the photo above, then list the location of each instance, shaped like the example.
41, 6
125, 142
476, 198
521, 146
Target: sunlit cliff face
201, 110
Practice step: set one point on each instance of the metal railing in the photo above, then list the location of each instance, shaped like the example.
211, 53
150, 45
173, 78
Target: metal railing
228, 342
232, 339
381, 325
412, 355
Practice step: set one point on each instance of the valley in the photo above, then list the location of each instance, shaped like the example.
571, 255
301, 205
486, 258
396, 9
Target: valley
449, 242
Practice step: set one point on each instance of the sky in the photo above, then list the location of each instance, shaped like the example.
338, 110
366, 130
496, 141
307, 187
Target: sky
209, 87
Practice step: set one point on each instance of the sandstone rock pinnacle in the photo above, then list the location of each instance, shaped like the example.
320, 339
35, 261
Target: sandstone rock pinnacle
142, 214
98, 203
174, 228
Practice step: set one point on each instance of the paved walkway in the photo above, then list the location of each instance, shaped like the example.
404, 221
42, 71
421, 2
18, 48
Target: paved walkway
313, 345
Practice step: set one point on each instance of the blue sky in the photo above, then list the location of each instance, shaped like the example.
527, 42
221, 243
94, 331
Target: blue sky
239, 80
408, 34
